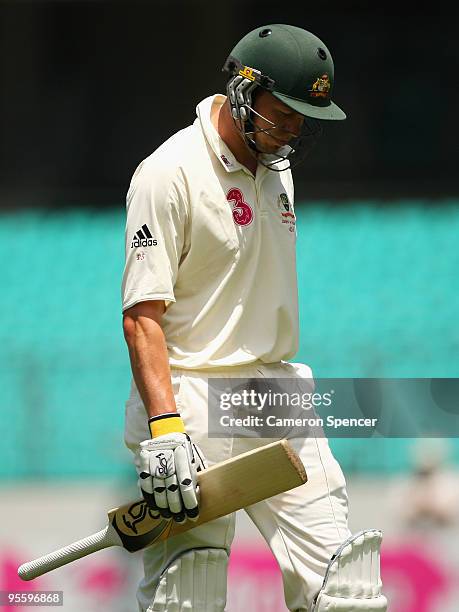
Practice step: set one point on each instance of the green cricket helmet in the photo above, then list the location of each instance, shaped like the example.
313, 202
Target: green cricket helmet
292, 63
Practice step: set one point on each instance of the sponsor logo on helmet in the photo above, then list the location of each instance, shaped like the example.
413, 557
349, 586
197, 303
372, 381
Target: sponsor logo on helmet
247, 73
321, 87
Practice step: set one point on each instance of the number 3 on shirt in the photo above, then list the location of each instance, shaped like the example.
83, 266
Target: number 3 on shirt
242, 212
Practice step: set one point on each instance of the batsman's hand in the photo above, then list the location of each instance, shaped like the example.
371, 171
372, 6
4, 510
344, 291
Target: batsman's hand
169, 464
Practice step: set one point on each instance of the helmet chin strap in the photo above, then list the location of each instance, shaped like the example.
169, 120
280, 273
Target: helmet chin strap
240, 90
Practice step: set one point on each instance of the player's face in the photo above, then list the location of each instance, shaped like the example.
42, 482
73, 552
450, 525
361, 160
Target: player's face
287, 122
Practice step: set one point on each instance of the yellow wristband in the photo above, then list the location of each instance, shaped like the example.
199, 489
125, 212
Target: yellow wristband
166, 424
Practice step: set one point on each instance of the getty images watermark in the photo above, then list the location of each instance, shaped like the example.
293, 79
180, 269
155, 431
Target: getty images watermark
343, 407
270, 401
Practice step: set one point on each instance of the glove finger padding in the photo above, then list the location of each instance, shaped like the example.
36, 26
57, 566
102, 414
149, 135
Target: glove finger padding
186, 474
160, 496
145, 480
162, 468
174, 499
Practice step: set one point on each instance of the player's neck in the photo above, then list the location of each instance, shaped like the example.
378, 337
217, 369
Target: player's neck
224, 124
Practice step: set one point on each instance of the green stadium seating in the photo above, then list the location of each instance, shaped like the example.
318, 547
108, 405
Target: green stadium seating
379, 296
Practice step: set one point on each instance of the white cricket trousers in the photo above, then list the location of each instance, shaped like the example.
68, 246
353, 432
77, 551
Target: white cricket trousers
303, 527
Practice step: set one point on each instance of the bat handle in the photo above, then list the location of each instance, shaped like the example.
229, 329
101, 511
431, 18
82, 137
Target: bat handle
97, 541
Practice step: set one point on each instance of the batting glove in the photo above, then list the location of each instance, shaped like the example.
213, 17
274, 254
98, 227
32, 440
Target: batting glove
169, 465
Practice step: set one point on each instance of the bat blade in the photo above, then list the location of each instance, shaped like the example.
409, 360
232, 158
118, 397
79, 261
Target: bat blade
224, 488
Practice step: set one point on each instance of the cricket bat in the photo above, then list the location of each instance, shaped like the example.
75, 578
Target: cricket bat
224, 488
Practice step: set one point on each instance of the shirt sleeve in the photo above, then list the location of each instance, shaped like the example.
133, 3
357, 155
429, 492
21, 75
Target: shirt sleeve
155, 235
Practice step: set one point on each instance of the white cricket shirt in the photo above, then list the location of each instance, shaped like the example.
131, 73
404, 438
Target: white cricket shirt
218, 245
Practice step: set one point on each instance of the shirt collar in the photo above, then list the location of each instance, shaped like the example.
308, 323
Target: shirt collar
218, 146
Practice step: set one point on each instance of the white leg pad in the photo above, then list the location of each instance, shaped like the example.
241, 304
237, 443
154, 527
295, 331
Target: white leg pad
194, 581
353, 581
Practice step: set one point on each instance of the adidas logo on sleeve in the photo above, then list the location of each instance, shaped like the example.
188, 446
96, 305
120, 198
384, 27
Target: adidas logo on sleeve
143, 238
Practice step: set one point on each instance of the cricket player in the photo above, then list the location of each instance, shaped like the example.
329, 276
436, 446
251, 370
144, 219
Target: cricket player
210, 290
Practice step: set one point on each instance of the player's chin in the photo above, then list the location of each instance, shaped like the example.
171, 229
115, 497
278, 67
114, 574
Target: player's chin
269, 147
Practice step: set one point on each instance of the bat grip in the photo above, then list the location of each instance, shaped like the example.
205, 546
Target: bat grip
58, 558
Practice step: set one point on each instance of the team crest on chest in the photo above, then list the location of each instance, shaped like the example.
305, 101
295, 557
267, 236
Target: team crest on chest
242, 211
286, 212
